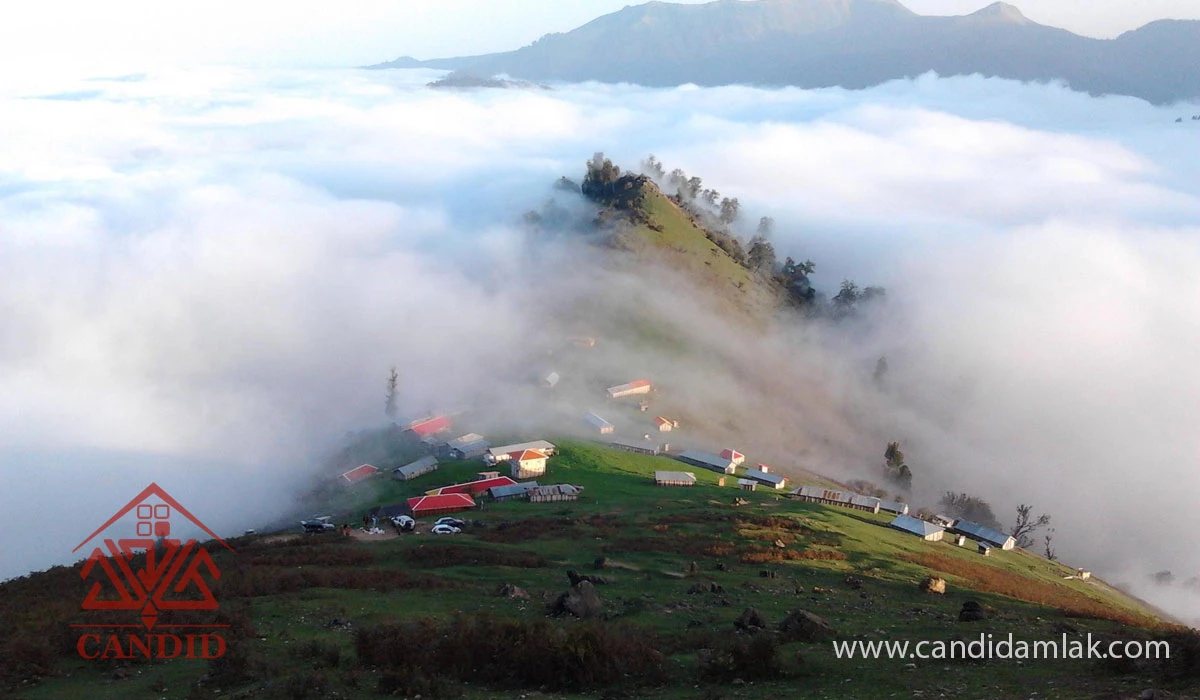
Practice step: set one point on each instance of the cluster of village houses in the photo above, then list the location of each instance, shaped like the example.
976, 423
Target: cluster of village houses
526, 462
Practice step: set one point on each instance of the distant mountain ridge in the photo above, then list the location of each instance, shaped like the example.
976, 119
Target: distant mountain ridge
848, 43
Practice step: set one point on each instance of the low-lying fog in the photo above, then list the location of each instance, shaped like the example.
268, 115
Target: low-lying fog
205, 275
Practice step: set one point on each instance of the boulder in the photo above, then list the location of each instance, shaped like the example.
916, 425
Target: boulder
853, 582
750, 620
933, 584
508, 590
803, 626
576, 579
972, 611
580, 600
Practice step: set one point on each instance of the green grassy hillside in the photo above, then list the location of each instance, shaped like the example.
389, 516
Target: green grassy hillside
659, 230
311, 615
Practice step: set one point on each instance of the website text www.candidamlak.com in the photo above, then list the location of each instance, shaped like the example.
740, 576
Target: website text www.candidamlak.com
989, 646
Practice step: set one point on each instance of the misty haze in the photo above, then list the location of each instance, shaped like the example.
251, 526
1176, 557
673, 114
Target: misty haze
841, 239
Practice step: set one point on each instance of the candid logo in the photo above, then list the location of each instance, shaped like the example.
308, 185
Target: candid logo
143, 587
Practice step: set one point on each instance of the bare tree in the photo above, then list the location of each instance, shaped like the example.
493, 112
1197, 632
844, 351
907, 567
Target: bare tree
389, 403
1049, 540
1026, 525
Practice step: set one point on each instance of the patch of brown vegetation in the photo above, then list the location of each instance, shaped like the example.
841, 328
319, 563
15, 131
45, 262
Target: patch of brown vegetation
511, 531
536, 654
255, 581
434, 556
989, 579
767, 555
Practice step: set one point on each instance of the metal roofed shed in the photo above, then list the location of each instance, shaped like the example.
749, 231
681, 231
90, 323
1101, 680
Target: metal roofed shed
664, 478
468, 446
430, 426
360, 473
767, 479
512, 491
733, 456
984, 535
412, 470
634, 388
820, 494
914, 526
472, 487
707, 460
422, 506
645, 448
554, 493
747, 484
895, 507
598, 423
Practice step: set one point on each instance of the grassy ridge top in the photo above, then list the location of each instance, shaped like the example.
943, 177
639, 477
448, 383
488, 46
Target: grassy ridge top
683, 563
660, 230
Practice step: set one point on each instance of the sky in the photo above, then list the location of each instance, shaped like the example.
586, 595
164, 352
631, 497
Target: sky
137, 35
215, 266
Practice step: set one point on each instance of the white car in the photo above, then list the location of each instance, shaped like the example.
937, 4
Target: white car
404, 522
444, 529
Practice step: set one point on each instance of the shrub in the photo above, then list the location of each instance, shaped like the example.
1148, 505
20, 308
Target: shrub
513, 654
306, 685
1184, 663
443, 555
321, 654
252, 582
745, 657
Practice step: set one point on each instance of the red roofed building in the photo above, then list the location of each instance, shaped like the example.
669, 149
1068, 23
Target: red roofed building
440, 504
527, 464
472, 487
665, 425
733, 456
430, 426
358, 474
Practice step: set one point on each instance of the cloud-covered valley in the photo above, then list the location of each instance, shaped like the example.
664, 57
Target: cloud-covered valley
205, 275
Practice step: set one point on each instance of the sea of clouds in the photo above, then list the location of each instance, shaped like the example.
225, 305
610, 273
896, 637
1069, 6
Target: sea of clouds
205, 274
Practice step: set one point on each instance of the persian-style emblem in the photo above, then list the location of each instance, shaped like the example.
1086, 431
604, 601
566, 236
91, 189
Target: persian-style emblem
148, 574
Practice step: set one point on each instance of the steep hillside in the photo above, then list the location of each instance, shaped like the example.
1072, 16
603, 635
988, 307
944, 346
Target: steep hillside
323, 616
657, 228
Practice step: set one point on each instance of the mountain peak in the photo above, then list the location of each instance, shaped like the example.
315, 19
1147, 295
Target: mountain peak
1002, 11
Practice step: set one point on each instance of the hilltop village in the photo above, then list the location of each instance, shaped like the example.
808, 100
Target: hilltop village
524, 471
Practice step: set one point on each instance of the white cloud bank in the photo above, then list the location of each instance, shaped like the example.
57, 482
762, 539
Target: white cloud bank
205, 275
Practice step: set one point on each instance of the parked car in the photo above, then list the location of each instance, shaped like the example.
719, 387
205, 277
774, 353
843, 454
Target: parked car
445, 529
452, 522
319, 524
404, 523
